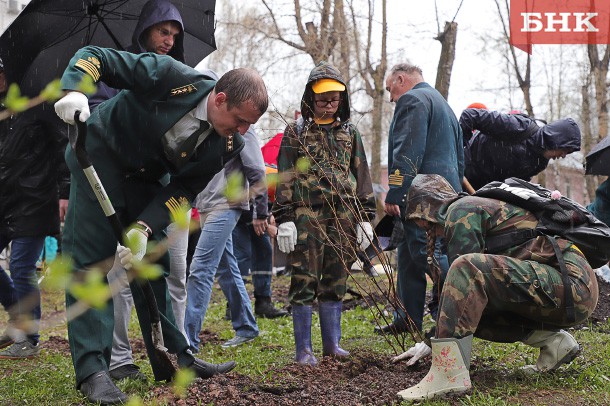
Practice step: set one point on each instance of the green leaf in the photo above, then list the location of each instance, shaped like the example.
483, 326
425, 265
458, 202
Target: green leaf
14, 101
52, 91
135, 401
181, 217
148, 271
182, 380
303, 164
235, 189
272, 179
58, 273
87, 85
93, 291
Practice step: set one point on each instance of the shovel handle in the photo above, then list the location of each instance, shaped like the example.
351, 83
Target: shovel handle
78, 140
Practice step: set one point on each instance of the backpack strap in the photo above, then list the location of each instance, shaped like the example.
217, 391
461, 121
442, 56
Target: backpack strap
567, 284
501, 242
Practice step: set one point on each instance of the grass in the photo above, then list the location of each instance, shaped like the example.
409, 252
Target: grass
498, 380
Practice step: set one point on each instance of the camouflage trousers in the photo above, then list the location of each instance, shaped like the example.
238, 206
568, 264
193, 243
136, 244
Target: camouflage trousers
325, 249
502, 299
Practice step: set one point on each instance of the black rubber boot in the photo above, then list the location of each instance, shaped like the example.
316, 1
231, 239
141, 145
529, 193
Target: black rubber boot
263, 307
99, 388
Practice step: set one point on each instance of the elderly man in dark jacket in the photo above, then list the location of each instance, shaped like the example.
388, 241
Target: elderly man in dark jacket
498, 146
425, 137
33, 179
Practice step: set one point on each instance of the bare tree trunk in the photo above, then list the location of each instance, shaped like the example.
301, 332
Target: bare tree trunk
374, 81
318, 41
447, 38
599, 71
523, 78
591, 182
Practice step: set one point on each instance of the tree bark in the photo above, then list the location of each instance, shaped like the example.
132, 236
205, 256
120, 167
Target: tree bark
447, 38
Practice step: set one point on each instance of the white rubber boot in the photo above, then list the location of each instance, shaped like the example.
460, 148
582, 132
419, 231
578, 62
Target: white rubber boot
449, 370
556, 348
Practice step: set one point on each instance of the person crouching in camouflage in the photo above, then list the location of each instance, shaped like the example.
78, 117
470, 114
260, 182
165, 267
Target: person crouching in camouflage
517, 295
324, 205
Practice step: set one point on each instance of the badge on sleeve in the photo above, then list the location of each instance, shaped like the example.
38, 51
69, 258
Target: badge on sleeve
396, 178
90, 66
182, 90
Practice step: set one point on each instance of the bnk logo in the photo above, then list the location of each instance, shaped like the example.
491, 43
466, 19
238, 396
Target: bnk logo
559, 22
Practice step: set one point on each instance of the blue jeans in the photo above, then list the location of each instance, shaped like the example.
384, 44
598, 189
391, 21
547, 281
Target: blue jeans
214, 255
412, 260
21, 288
254, 254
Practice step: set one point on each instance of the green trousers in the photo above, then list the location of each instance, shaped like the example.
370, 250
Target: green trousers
89, 240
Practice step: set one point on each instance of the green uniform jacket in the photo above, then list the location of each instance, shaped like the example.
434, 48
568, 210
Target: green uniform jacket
125, 134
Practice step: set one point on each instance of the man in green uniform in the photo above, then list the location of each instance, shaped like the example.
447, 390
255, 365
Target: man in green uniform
516, 295
169, 119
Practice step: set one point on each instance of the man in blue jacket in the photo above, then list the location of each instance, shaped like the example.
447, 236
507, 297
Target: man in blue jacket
425, 137
498, 146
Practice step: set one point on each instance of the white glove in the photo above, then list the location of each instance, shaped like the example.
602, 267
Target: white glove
415, 353
122, 258
286, 237
69, 104
364, 235
137, 241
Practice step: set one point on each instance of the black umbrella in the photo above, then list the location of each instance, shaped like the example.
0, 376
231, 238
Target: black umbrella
38, 45
597, 162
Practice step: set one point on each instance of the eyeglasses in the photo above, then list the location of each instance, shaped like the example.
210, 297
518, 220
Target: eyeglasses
324, 103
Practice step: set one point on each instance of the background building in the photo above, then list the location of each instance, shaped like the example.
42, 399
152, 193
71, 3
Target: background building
9, 10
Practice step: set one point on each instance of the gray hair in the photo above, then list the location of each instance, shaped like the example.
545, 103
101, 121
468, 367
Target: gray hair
406, 67
242, 85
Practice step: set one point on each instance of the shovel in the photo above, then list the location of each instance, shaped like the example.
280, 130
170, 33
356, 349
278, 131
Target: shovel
77, 142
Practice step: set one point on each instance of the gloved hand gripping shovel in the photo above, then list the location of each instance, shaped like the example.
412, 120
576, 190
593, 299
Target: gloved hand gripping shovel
77, 142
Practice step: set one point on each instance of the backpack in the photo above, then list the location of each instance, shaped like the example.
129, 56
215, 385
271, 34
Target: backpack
557, 217
561, 217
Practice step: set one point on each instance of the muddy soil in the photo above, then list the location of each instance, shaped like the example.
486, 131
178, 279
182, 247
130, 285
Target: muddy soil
365, 379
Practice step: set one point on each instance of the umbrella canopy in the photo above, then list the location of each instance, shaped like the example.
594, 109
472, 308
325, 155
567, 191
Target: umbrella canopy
597, 162
38, 45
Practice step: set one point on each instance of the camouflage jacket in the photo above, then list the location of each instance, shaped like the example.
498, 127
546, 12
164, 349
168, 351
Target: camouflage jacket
470, 219
322, 165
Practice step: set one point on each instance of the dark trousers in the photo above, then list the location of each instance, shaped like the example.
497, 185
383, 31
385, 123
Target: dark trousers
412, 268
254, 254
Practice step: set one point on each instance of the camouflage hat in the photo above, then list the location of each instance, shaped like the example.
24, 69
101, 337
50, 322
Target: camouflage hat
429, 197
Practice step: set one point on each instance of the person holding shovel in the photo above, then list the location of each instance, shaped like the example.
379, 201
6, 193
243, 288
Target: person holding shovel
160, 30
168, 119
